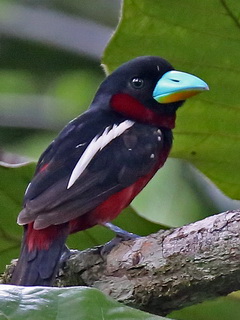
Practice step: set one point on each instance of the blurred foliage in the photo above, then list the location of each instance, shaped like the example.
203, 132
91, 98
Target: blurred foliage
11, 195
48, 78
219, 309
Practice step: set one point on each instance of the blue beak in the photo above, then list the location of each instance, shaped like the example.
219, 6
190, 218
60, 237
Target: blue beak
176, 86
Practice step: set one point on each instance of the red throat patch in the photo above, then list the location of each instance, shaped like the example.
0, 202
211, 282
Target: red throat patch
130, 107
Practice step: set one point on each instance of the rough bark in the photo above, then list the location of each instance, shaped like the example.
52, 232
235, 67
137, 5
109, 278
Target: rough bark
167, 270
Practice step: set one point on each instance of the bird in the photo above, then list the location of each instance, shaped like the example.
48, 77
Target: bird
100, 161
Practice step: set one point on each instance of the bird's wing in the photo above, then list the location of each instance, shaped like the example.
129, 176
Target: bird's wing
68, 185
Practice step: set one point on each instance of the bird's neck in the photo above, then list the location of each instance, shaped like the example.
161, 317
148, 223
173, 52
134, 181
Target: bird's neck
132, 108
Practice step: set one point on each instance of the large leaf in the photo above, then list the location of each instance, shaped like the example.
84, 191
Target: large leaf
13, 182
20, 303
224, 308
179, 194
203, 39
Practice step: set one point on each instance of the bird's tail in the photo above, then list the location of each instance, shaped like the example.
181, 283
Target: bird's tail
40, 255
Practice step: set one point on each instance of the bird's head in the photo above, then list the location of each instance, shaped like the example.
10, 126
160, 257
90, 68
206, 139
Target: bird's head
149, 90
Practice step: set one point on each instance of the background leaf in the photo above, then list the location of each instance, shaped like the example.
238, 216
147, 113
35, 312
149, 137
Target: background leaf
219, 309
63, 303
203, 39
11, 195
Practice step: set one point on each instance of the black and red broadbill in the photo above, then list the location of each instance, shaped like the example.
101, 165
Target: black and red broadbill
100, 161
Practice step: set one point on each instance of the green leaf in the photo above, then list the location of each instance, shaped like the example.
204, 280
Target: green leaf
16, 82
80, 303
161, 201
13, 182
179, 194
203, 39
218, 309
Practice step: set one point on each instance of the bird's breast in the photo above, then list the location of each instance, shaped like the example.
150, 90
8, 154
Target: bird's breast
112, 207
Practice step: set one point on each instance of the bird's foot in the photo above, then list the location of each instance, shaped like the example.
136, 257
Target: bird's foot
121, 235
65, 255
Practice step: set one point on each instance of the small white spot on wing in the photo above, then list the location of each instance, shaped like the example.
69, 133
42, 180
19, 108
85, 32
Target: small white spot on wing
159, 135
97, 144
80, 145
27, 188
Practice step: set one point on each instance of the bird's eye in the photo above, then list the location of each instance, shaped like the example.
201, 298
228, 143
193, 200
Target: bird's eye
137, 83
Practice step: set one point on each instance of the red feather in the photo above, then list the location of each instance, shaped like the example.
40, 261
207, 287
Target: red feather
130, 107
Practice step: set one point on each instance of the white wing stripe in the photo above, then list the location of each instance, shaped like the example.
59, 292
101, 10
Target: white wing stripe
97, 144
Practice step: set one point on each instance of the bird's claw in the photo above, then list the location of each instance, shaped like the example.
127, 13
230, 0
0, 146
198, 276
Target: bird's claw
121, 235
66, 255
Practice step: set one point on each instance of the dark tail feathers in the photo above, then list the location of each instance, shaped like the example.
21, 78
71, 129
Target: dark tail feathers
39, 266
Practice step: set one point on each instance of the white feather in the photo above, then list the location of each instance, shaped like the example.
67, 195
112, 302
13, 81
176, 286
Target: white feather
97, 144
27, 188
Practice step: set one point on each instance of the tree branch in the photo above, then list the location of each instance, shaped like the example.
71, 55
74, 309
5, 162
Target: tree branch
167, 270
